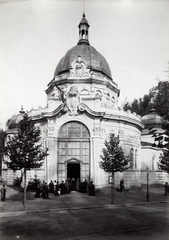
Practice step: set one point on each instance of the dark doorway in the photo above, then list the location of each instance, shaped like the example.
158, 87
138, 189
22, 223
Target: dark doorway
73, 170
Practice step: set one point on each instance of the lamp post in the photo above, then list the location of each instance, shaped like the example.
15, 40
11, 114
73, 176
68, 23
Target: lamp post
147, 196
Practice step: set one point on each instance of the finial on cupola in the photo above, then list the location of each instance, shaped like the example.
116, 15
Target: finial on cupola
84, 10
83, 30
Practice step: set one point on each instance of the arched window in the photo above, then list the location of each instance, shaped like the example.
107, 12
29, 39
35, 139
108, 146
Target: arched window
73, 149
113, 99
84, 92
131, 158
108, 96
83, 34
73, 130
98, 94
136, 156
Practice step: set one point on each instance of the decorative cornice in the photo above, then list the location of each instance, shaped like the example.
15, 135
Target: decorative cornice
93, 78
124, 119
83, 107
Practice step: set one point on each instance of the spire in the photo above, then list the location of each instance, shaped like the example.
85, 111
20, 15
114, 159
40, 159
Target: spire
83, 30
83, 10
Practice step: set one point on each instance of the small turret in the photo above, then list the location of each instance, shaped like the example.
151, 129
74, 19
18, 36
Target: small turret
83, 31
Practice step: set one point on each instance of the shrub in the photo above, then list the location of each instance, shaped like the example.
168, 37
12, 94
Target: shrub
17, 181
32, 184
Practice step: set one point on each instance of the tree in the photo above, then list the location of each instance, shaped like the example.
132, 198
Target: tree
158, 98
113, 159
140, 106
163, 163
162, 141
23, 150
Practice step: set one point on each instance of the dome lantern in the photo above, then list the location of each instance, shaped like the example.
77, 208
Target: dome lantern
83, 31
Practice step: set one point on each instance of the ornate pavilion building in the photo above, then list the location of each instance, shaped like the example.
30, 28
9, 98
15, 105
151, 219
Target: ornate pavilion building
81, 112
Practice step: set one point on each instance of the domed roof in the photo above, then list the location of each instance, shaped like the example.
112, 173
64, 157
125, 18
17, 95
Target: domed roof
15, 119
94, 60
152, 119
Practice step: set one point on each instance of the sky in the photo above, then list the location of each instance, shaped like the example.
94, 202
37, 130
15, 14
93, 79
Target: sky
133, 36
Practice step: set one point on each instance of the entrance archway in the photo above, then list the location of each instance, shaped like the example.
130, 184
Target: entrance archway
73, 143
73, 170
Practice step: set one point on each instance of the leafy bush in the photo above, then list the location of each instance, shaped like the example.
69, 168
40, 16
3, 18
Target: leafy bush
32, 184
17, 181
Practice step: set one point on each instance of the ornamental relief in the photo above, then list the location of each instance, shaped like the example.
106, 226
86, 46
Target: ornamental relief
98, 131
50, 130
135, 138
73, 100
78, 69
54, 94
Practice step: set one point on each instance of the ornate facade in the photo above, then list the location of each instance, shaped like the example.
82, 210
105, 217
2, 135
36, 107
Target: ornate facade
81, 112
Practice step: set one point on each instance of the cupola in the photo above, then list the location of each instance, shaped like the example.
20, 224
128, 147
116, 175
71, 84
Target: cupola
83, 30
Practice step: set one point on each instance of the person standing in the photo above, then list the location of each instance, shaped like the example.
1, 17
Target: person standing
91, 189
46, 191
67, 186
51, 187
62, 186
85, 185
122, 185
54, 187
3, 193
57, 191
77, 185
166, 189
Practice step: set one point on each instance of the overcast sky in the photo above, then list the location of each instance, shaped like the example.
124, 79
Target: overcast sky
133, 36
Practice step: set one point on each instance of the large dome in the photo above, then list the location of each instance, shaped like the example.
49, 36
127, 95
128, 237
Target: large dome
15, 119
94, 60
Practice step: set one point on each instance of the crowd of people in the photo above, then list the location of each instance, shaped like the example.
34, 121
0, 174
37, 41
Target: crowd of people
54, 187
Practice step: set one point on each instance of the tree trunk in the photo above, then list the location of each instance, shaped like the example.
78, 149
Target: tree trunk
112, 189
24, 199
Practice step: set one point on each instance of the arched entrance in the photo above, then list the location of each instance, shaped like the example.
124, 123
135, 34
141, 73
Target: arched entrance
73, 170
73, 151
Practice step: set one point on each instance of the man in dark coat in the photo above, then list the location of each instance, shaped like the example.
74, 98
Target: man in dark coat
85, 184
51, 187
62, 186
122, 185
91, 189
3, 193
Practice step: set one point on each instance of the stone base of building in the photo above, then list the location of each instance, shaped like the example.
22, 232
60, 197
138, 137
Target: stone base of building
132, 178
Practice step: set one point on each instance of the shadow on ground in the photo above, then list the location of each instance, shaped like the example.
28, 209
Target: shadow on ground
20, 193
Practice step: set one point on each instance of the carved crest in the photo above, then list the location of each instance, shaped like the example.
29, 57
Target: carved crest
73, 100
78, 69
